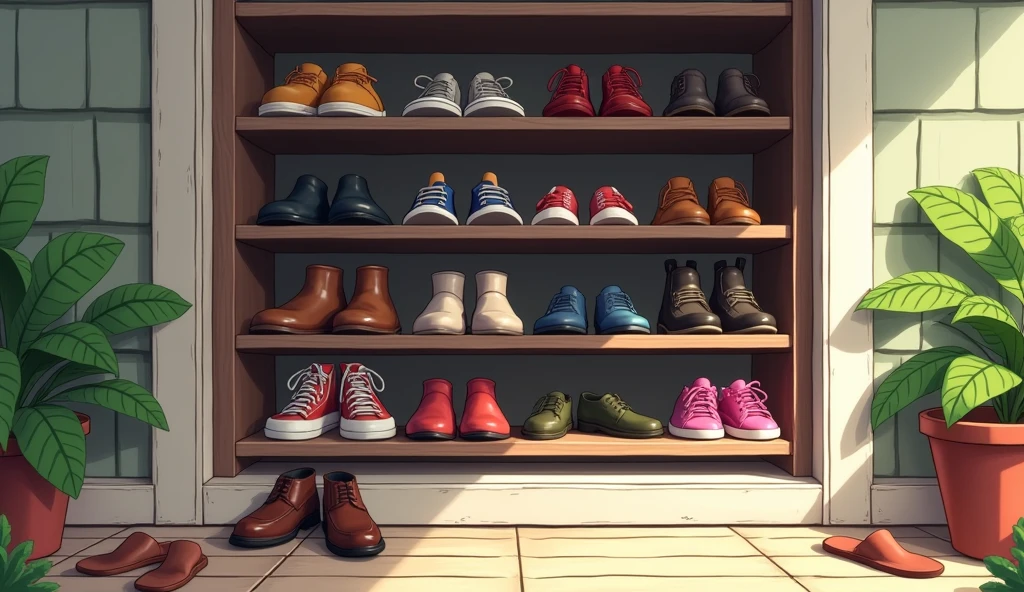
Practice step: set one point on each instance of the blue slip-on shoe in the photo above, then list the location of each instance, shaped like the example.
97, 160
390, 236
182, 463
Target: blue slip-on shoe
614, 313
434, 204
491, 205
566, 315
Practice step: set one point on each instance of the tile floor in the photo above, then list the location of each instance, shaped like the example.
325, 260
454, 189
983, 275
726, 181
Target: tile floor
612, 559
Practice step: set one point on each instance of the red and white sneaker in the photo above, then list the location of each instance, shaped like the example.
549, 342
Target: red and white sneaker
608, 206
558, 207
313, 409
363, 416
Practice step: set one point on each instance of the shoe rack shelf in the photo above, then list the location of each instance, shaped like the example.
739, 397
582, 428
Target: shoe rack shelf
248, 34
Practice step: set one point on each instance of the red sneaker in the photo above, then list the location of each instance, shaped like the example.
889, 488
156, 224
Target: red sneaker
571, 96
313, 409
621, 94
363, 416
558, 208
608, 206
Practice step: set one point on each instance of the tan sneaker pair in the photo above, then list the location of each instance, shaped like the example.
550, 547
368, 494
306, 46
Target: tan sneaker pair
305, 92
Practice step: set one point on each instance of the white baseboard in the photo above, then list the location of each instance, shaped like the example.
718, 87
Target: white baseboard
906, 501
113, 501
549, 494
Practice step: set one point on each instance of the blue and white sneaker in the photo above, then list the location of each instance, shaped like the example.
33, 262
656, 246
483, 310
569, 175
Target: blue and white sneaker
434, 204
491, 205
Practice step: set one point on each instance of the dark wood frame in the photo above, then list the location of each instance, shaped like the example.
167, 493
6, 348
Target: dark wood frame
779, 34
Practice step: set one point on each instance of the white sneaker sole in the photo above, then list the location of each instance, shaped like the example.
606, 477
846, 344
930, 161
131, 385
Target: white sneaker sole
282, 109
695, 434
555, 217
429, 215
494, 107
614, 216
348, 110
300, 429
495, 216
355, 429
753, 434
432, 107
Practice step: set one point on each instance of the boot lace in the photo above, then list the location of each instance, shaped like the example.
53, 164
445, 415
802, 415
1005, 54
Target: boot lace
623, 82
689, 296
554, 198
344, 493
492, 195
685, 193
617, 404
353, 76
564, 83
360, 389
486, 87
737, 193
700, 401
562, 303
752, 83
551, 403
612, 199
751, 400
308, 388
737, 295
431, 195
620, 300
297, 76
434, 88
280, 491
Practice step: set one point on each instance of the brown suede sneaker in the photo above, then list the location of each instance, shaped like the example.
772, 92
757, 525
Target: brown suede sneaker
299, 95
351, 94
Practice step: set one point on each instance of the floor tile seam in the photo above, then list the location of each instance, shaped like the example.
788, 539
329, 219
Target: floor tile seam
718, 555
267, 575
519, 557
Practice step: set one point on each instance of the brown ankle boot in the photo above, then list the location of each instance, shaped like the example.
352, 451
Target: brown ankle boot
311, 310
371, 309
348, 528
678, 204
729, 203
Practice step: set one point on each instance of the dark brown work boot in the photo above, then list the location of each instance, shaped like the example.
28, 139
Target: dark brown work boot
348, 528
737, 95
311, 310
371, 309
292, 505
678, 204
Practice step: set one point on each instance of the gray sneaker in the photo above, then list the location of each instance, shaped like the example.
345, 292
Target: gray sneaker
487, 98
440, 97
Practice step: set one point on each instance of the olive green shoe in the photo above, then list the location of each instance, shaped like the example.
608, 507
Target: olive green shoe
550, 419
611, 415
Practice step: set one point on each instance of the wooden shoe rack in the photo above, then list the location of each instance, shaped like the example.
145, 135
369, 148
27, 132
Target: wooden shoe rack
247, 35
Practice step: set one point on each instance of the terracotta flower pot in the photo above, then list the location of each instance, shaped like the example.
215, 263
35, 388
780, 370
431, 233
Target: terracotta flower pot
35, 509
980, 467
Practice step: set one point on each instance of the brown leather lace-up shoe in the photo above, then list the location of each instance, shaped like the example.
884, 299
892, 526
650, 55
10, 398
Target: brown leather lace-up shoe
299, 95
729, 203
371, 309
292, 505
311, 310
351, 94
348, 528
678, 204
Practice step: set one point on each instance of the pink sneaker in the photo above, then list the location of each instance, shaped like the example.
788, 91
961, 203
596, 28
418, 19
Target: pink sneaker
744, 414
696, 413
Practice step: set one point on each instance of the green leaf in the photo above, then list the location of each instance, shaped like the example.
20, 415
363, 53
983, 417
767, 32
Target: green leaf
913, 379
976, 229
1003, 569
5, 532
123, 396
1003, 190
22, 183
79, 342
63, 271
13, 264
35, 571
1018, 535
44, 587
10, 386
917, 291
996, 325
68, 373
1018, 554
995, 587
52, 441
970, 382
16, 562
135, 306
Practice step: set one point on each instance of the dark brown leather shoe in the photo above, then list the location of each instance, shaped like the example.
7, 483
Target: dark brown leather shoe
729, 203
293, 505
678, 204
371, 309
311, 310
348, 528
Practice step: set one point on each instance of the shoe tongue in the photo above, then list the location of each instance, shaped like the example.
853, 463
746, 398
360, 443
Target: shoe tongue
443, 76
615, 70
310, 68
685, 277
737, 384
351, 68
573, 70
484, 76
436, 178
724, 183
569, 290
611, 290
702, 382
679, 183
489, 177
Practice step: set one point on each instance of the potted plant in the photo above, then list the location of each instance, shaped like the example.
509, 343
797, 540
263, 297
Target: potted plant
976, 437
46, 363
17, 572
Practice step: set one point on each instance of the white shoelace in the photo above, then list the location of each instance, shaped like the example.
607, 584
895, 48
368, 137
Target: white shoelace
485, 87
307, 386
434, 88
359, 390
493, 193
427, 194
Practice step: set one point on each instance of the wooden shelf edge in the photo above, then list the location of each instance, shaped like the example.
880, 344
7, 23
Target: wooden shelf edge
513, 124
520, 9
525, 344
574, 444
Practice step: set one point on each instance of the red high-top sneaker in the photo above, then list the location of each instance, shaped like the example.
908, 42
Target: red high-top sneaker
482, 419
608, 206
621, 94
571, 97
363, 416
313, 409
558, 207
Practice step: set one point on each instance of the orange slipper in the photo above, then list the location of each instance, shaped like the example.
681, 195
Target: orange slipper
882, 552
138, 550
184, 561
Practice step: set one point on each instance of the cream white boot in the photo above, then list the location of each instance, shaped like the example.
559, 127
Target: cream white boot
494, 314
445, 314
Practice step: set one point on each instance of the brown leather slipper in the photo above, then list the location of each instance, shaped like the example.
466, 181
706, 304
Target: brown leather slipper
184, 560
138, 550
882, 552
